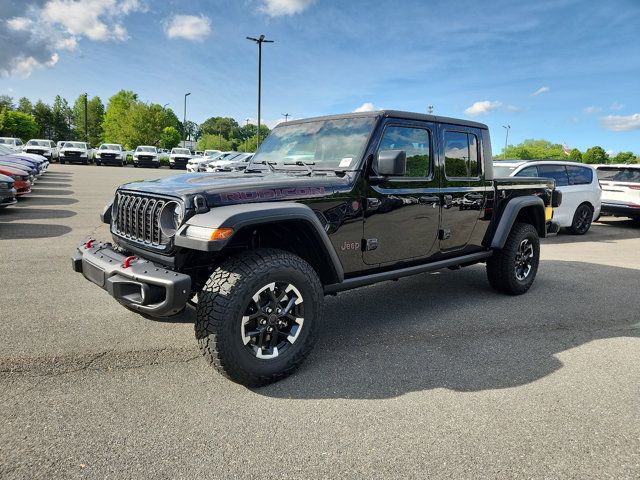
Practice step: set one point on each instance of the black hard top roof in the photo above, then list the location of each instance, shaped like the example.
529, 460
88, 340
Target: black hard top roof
395, 114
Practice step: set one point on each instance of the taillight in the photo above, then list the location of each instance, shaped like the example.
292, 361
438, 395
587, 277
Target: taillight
634, 187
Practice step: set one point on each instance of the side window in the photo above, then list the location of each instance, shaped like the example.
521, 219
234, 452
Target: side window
461, 155
579, 175
528, 172
415, 141
18, 142
556, 172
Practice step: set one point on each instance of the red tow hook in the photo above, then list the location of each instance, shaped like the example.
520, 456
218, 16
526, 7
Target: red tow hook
88, 243
127, 261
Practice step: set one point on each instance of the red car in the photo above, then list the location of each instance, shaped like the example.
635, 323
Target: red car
21, 178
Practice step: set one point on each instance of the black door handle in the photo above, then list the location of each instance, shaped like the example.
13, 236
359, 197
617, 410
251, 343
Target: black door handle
428, 199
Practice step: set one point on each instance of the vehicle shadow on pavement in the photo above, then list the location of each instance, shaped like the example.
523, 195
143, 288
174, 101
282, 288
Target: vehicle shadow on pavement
50, 191
23, 231
29, 202
12, 214
604, 231
440, 331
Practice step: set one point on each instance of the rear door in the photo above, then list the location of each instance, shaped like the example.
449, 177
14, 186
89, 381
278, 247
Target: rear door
464, 190
402, 213
570, 197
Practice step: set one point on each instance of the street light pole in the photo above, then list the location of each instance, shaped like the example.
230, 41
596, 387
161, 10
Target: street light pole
506, 140
86, 122
184, 121
286, 117
260, 40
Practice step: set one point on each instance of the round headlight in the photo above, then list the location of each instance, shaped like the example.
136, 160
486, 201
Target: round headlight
171, 218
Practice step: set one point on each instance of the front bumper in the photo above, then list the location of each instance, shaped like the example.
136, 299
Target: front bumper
7, 197
145, 162
142, 285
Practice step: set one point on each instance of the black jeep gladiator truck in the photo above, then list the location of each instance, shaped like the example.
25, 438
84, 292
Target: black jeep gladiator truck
327, 204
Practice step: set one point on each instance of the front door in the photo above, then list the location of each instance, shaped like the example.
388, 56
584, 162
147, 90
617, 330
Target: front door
402, 213
463, 187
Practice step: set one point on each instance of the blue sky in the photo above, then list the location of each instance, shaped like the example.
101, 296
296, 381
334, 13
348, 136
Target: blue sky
564, 70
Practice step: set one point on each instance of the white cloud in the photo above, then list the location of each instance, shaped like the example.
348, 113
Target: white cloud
19, 24
188, 27
616, 106
277, 8
95, 19
482, 108
366, 107
541, 90
37, 30
512, 109
621, 123
591, 109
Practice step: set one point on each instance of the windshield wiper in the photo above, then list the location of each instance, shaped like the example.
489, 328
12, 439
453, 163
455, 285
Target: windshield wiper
300, 163
263, 162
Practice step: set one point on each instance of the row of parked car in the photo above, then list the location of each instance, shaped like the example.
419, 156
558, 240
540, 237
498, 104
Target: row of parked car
18, 173
587, 191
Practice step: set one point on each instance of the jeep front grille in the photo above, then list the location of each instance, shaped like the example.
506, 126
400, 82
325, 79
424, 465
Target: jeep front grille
137, 218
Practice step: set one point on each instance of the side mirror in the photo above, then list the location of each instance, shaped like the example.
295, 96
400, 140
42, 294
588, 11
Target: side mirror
391, 163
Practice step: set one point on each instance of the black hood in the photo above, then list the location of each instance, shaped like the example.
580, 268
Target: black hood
238, 187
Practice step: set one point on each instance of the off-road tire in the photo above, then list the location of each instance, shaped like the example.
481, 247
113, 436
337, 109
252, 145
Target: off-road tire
582, 219
224, 299
501, 266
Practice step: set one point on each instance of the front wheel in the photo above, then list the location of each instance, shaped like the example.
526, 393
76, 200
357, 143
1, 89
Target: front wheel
258, 314
582, 220
513, 269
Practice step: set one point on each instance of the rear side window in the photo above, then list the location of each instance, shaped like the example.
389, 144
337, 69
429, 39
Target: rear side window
461, 155
416, 142
579, 175
556, 172
617, 174
528, 172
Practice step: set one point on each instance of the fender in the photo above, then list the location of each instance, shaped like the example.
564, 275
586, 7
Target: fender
243, 215
509, 215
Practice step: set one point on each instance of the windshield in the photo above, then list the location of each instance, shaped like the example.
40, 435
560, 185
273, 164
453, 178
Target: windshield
146, 149
327, 144
40, 143
110, 146
73, 145
503, 170
181, 151
619, 174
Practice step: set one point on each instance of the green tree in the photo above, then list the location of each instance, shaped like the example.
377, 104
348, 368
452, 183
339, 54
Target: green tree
95, 118
116, 117
170, 137
62, 116
575, 155
44, 119
595, 155
219, 126
6, 103
25, 105
18, 124
215, 142
534, 149
624, 157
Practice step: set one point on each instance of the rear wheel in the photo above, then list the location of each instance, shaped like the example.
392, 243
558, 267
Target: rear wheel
582, 220
257, 316
513, 269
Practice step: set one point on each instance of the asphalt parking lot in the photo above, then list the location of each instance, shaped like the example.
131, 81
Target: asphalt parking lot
433, 376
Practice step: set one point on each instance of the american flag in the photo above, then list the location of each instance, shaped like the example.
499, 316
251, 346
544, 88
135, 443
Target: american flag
566, 149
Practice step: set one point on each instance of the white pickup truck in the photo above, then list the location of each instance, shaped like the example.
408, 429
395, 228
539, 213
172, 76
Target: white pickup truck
78, 152
111, 153
46, 148
179, 157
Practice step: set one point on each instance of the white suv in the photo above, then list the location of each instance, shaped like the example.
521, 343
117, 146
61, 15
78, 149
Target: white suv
620, 190
179, 157
11, 142
75, 152
146, 155
578, 183
46, 148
